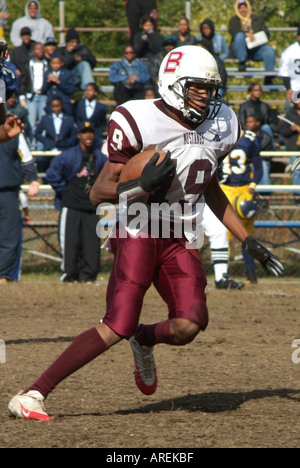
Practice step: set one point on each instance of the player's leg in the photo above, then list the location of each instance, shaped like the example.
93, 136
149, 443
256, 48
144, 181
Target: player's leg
129, 281
181, 282
219, 247
28, 404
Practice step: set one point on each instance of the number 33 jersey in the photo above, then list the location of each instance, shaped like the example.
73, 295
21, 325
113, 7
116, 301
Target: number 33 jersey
196, 151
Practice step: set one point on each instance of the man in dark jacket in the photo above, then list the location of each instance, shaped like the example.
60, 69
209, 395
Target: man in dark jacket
16, 165
72, 175
20, 57
255, 106
78, 58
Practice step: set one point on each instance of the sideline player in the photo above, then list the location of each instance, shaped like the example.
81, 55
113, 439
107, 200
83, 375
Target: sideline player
12, 126
219, 248
242, 172
189, 123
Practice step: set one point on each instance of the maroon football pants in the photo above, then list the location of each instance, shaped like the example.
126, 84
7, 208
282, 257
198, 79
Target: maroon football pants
176, 272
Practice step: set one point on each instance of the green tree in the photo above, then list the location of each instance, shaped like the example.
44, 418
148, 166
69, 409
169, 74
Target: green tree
111, 14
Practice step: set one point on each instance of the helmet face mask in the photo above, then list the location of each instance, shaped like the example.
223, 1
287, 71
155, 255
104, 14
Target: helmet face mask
187, 67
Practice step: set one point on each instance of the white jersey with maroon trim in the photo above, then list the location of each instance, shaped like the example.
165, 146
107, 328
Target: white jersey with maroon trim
290, 65
142, 125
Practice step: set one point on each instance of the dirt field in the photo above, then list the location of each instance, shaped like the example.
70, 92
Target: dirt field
235, 386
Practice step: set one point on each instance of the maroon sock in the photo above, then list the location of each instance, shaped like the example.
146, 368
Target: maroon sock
150, 335
84, 349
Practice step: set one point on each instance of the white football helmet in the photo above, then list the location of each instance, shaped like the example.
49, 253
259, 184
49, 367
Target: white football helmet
183, 66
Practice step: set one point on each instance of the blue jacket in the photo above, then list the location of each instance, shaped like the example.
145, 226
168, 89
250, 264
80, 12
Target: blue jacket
45, 133
8, 73
97, 120
65, 89
120, 71
65, 167
15, 165
219, 44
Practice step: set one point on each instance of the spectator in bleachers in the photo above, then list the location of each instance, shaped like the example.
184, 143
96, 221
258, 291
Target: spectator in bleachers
289, 69
291, 133
20, 57
59, 82
168, 43
207, 31
207, 44
3, 17
56, 131
183, 35
89, 110
79, 59
17, 164
150, 92
33, 84
129, 77
40, 27
14, 107
50, 46
242, 28
266, 144
255, 106
72, 175
135, 10
148, 47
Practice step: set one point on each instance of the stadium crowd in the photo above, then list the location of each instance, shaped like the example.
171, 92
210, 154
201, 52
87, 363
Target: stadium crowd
57, 95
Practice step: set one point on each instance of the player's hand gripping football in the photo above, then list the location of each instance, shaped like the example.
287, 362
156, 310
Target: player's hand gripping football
153, 176
296, 165
269, 262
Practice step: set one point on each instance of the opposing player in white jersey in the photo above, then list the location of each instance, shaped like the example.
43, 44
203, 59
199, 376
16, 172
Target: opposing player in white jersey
289, 69
197, 131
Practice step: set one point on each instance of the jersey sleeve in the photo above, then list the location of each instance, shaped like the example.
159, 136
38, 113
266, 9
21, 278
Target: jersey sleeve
124, 138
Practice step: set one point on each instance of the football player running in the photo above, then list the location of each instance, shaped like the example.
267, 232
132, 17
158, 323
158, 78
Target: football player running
190, 123
242, 171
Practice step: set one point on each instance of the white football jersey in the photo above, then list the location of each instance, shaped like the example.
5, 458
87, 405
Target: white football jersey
290, 65
142, 125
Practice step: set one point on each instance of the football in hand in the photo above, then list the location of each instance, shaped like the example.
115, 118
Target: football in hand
134, 167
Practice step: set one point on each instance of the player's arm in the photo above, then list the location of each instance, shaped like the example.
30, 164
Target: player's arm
221, 207
105, 187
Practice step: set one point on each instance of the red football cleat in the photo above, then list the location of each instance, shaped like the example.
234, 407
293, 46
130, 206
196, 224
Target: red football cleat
145, 370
